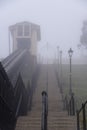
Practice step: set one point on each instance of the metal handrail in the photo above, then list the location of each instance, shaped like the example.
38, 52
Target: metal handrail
11, 111
12, 100
83, 110
69, 105
82, 106
44, 111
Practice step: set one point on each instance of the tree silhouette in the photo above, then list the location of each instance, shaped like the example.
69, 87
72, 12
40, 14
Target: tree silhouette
83, 37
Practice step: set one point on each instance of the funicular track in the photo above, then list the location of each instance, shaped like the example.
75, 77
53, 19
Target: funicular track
15, 98
10, 58
13, 63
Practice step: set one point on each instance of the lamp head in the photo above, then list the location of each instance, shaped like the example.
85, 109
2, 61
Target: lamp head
70, 52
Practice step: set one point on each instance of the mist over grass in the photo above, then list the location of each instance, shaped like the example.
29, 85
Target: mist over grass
79, 80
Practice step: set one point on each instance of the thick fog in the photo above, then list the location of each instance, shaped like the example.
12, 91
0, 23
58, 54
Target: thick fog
60, 21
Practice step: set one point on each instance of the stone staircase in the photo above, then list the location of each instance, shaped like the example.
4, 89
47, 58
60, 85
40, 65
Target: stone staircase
57, 118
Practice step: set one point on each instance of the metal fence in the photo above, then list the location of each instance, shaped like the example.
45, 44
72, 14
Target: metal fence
69, 104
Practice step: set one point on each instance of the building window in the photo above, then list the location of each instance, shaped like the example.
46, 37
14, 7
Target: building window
20, 30
26, 30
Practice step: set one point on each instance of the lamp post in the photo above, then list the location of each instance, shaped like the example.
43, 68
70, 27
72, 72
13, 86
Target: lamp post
61, 69
58, 56
47, 70
70, 52
9, 42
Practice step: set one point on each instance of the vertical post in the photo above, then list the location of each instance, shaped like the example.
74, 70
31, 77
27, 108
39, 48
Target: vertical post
61, 73
66, 105
58, 57
58, 74
70, 56
78, 127
70, 105
84, 117
68, 109
9, 41
47, 70
44, 111
70, 78
73, 105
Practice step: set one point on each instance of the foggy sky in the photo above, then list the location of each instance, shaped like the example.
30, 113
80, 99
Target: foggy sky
60, 21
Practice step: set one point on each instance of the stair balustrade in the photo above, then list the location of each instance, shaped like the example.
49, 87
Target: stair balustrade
6, 89
13, 100
81, 117
69, 104
21, 98
60, 84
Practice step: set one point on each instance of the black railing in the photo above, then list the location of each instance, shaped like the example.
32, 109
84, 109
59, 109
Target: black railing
13, 101
21, 97
44, 111
68, 101
69, 104
60, 84
6, 89
7, 116
81, 117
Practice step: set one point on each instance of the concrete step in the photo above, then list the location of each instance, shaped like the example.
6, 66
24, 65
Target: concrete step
50, 114
50, 119
57, 118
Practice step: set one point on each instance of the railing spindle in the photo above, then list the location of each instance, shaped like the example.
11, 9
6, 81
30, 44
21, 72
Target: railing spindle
84, 117
78, 126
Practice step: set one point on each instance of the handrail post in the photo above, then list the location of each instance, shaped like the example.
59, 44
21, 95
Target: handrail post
84, 117
70, 104
73, 104
65, 103
44, 111
78, 127
68, 109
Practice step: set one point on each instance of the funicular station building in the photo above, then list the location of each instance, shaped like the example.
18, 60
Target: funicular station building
25, 35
